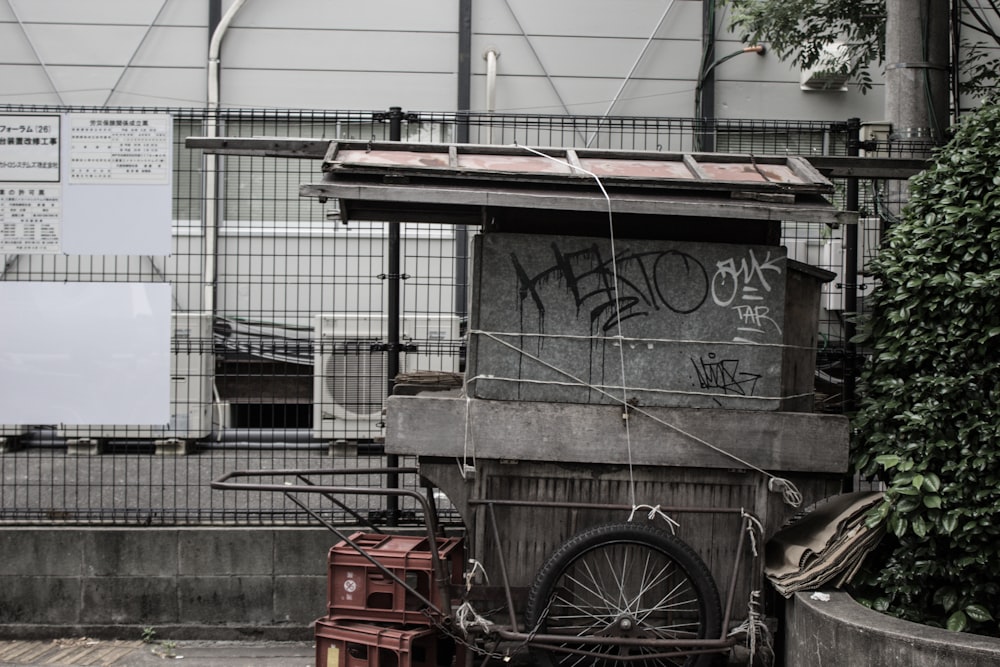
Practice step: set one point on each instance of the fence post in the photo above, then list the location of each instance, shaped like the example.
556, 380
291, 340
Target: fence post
395, 118
851, 203
850, 285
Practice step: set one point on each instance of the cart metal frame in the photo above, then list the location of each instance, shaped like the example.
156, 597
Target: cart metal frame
246, 480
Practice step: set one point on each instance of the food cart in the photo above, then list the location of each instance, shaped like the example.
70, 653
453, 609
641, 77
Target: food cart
636, 416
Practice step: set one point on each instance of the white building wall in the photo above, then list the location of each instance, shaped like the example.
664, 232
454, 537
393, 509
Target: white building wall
623, 57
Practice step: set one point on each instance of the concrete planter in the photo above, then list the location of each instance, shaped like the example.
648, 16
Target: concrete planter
842, 632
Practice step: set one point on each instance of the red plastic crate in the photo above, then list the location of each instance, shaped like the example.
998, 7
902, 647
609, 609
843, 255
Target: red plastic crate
341, 643
358, 589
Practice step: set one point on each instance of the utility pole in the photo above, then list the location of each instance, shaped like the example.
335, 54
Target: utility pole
917, 50
917, 45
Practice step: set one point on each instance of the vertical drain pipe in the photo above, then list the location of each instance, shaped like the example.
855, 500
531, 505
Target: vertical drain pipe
491, 56
212, 162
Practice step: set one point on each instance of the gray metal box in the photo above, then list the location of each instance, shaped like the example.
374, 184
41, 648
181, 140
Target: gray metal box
702, 324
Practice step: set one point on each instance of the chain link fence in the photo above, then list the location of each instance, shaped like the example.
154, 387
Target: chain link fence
277, 355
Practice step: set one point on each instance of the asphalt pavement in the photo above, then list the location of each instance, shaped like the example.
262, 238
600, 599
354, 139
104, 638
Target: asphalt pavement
84, 652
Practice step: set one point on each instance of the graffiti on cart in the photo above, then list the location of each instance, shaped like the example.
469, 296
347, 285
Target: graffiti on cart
647, 282
742, 285
725, 375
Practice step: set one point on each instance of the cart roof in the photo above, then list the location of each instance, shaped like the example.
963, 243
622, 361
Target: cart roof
473, 183
414, 182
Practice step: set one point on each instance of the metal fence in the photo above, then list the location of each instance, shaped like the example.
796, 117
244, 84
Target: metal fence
277, 350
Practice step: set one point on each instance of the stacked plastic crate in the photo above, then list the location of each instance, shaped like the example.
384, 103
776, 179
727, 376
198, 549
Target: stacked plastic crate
385, 603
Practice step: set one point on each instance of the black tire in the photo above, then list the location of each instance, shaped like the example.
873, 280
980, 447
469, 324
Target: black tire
626, 580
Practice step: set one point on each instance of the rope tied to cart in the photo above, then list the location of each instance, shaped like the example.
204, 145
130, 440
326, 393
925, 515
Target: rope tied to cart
654, 512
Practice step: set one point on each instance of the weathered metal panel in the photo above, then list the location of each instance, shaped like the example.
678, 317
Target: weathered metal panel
436, 425
701, 324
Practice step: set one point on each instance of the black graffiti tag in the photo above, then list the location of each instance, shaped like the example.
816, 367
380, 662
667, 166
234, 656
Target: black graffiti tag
725, 374
646, 282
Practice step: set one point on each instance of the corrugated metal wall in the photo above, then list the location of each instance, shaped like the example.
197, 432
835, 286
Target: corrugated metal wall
640, 57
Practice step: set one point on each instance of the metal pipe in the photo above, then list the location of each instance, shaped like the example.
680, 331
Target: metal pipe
503, 566
212, 162
491, 88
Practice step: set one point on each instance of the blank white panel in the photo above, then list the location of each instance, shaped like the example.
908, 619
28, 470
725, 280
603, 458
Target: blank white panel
115, 216
85, 353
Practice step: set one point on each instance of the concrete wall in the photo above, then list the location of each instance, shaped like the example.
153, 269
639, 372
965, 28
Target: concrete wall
839, 631
185, 582
559, 56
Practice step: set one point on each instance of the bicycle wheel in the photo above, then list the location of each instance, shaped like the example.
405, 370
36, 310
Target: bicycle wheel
623, 581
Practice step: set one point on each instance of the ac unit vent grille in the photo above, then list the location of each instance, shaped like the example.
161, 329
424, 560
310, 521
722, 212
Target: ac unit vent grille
355, 376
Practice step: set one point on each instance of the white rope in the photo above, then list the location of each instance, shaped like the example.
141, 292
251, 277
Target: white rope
654, 512
631, 339
789, 492
466, 617
752, 526
608, 387
757, 632
476, 567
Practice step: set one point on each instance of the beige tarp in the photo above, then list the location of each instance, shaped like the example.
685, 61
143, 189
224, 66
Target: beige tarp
826, 546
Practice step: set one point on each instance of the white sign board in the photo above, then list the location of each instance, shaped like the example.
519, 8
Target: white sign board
117, 173
29, 148
86, 183
85, 353
30, 220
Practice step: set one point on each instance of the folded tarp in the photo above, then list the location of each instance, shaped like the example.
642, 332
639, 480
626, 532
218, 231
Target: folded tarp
826, 546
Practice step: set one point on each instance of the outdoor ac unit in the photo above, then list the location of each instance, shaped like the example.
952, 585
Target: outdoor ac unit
828, 73
350, 375
192, 376
833, 258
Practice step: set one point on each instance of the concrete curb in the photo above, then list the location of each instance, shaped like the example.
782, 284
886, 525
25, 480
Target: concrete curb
839, 631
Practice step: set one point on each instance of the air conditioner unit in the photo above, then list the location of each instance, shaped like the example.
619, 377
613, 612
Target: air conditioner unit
192, 376
350, 368
832, 259
828, 73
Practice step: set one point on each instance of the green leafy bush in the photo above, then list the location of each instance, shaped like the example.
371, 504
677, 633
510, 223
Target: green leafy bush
929, 420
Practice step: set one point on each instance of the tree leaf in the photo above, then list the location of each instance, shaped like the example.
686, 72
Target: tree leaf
957, 622
933, 502
978, 613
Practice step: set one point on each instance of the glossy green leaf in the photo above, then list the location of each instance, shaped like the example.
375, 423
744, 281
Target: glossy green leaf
957, 622
978, 613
